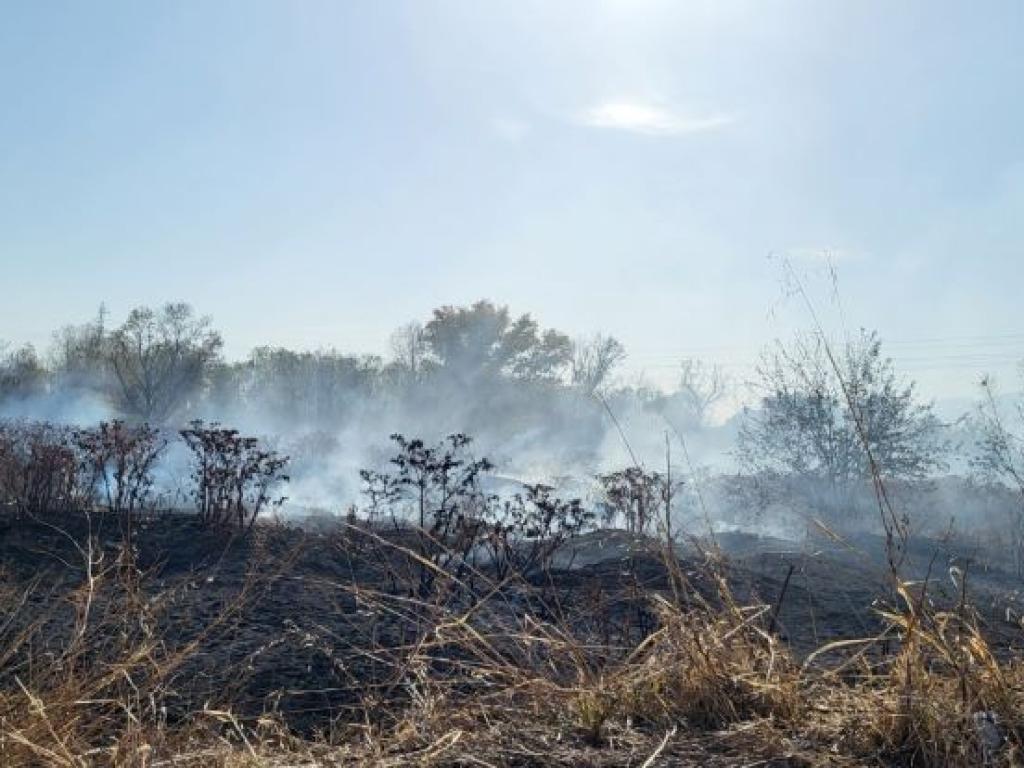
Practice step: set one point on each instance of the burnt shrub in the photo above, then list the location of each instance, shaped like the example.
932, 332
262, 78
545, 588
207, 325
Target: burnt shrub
235, 478
118, 460
40, 471
637, 496
524, 533
439, 487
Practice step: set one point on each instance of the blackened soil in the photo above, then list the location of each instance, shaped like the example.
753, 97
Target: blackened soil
288, 619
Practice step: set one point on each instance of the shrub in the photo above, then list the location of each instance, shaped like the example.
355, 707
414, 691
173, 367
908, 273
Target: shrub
525, 532
118, 461
235, 477
636, 495
441, 485
39, 469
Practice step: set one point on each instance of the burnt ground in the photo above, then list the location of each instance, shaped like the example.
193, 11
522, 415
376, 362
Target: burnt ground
824, 589
284, 624
837, 588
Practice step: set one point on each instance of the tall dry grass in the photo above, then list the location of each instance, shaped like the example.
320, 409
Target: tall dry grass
500, 673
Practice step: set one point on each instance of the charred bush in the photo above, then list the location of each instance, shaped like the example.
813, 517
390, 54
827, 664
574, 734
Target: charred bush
526, 531
440, 487
235, 478
39, 470
637, 496
118, 460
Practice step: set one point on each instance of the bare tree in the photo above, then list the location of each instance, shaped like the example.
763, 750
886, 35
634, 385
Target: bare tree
835, 429
410, 350
701, 387
22, 374
999, 459
160, 359
593, 362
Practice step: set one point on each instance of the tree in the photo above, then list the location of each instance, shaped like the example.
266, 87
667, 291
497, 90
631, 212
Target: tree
160, 360
701, 387
485, 340
838, 420
593, 361
22, 375
999, 459
409, 350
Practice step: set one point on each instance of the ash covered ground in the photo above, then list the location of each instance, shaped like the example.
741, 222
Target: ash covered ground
287, 626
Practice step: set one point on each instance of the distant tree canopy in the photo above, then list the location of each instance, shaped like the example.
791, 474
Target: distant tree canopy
305, 387
478, 368
700, 388
819, 422
164, 365
485, 340
593, 362
80, 352
22, 374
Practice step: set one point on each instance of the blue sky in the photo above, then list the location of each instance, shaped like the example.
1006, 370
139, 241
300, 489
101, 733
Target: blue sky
317, 173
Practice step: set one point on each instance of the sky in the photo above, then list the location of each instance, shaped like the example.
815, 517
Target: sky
314, 174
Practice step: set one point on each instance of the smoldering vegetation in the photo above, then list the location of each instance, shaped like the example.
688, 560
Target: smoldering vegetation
769, 455
489, 549
534, 400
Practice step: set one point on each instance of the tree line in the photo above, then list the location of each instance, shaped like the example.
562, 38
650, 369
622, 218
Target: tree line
162, 364
826, 420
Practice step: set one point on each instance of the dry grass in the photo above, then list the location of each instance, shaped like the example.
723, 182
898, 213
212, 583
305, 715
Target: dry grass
491, 680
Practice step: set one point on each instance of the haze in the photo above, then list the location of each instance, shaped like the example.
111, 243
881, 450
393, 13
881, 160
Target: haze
315, 174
